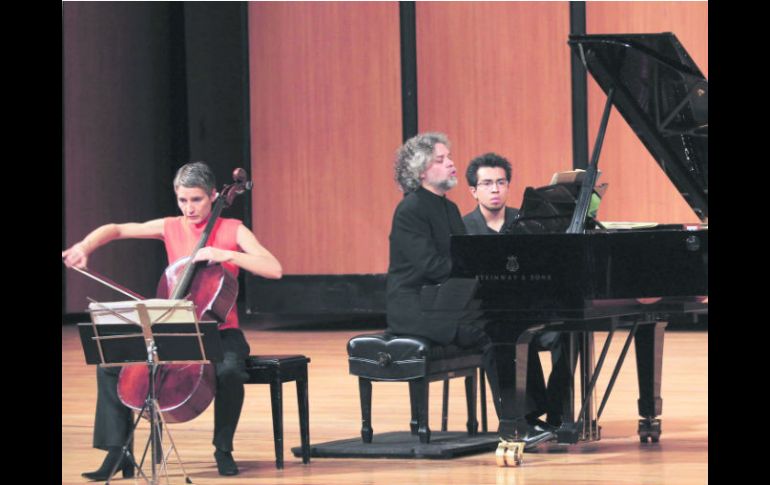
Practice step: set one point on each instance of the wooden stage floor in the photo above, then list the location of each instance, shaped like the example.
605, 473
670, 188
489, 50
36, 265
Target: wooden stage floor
681, 457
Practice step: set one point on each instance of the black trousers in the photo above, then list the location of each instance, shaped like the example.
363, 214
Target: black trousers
540, 399
472, 337
554, 398
113, 420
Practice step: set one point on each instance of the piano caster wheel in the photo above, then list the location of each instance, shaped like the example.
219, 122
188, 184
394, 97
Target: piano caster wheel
509, 453
649, 428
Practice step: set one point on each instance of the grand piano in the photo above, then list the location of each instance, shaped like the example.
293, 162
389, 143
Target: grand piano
561, 270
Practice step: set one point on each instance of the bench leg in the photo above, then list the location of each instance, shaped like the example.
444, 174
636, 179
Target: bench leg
423, 430
470, 398
483, 387
445, 405
413, 399
304, 417
276, 401
365, 390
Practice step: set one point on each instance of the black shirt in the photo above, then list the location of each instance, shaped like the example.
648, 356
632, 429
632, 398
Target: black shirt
476, 224
419, 255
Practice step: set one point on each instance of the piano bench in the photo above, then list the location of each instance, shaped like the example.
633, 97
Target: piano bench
275, 370
418, 361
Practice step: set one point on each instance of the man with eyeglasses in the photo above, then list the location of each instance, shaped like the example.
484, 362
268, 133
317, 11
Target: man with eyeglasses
489, 177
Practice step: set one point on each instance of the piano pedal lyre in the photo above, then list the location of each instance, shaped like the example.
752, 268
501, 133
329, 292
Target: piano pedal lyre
509, 453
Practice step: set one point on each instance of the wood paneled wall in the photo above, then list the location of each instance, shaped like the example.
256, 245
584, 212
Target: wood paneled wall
495, 77
638, 189
325, 124
120, 137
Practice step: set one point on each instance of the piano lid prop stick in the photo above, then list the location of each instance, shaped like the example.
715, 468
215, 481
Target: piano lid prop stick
578, 223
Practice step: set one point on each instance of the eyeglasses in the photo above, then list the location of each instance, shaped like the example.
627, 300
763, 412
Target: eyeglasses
487, 184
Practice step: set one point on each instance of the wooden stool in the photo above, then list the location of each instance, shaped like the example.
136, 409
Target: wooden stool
275, 370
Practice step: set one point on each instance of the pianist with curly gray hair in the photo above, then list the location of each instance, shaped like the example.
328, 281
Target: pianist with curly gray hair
414, 157
423, 223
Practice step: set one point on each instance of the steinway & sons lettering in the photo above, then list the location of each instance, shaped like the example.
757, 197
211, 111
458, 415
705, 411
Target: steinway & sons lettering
513, 277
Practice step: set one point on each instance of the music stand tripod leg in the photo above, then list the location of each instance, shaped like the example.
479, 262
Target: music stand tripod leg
157, 427
157, 424
173, 448
154, 441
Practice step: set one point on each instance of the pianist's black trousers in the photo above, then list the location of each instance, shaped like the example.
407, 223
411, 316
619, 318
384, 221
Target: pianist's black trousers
113, 420
469, 336
556, 397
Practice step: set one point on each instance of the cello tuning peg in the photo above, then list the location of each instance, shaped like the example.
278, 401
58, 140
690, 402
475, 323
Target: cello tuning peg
240, 175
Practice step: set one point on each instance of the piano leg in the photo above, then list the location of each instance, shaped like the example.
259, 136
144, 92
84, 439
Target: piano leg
511, 361
505, 363
649, 366
511, 366
590, 429
512, 422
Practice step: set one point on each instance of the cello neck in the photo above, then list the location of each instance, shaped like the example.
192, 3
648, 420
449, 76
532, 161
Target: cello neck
180, 290
240, 184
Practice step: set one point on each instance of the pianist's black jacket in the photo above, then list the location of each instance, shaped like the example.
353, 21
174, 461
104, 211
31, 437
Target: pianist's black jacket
419, 255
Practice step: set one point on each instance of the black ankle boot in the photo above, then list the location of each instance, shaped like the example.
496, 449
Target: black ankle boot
103, 473
225, 463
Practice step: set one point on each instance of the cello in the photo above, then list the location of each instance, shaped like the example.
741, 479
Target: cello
185, 390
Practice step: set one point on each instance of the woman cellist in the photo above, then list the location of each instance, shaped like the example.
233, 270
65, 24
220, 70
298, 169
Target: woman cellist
231, 244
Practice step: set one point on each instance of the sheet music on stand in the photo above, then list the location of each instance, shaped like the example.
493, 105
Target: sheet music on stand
149, 332
117, 337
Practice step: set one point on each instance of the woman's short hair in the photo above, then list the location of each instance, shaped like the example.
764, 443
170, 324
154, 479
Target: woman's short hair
413, 158
195, 174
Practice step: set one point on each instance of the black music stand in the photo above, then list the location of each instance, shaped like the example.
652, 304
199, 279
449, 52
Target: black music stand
550, 209
153, 332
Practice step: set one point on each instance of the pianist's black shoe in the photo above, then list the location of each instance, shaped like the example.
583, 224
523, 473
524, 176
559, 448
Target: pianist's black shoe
103, 473
537, 434
540, 425
225, 463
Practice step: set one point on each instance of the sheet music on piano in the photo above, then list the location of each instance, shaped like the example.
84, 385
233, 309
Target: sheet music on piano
571, 176
628, 225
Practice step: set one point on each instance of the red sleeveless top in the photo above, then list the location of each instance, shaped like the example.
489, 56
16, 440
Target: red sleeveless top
180, 240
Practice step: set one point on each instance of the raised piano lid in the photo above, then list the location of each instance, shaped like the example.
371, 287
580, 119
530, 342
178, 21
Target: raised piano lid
663, 96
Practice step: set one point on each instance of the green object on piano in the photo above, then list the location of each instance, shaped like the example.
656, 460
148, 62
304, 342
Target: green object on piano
593, 207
